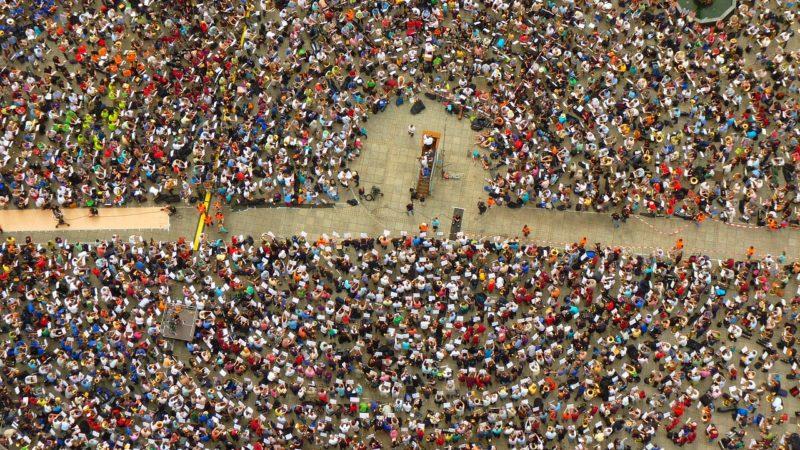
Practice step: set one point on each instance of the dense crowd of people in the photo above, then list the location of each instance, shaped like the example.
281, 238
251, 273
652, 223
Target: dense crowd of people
650, 113
411, 342
630, 107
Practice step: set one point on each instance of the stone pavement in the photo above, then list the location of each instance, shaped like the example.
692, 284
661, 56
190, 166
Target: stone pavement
549, 227
389, 160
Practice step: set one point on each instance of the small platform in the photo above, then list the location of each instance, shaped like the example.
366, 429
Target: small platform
718, 10
455, 227
178, 322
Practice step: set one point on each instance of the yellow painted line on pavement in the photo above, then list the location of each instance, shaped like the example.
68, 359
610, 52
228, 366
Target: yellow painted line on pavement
201, 222
244, 31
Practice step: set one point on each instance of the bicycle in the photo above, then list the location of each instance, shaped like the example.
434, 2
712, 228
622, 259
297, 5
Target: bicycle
374, 193
447, 175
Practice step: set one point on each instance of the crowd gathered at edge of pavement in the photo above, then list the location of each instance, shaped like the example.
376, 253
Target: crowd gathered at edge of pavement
628, 107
